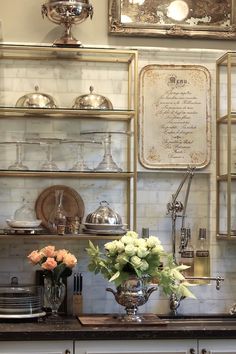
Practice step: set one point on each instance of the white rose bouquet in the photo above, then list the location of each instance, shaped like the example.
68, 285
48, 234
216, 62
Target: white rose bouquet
142, 257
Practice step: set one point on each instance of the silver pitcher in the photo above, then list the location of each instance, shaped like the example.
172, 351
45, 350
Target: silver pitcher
132, 293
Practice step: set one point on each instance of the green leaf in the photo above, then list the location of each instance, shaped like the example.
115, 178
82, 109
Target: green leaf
182, 267
184, 291
177, 275
115, 276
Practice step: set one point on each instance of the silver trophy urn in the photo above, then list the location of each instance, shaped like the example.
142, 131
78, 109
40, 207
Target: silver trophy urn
67, 13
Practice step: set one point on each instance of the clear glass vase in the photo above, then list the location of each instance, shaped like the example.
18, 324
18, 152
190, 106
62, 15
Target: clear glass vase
54, 293
57, 217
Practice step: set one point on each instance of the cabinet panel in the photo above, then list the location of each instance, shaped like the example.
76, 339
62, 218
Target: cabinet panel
37, 347
137, 347
217, 346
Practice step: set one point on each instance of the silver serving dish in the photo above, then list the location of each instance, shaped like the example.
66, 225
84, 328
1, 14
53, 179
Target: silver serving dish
102, 227
36, 99
92, 101
67, 13
103, 215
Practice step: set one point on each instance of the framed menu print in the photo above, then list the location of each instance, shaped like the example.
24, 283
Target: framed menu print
174, 116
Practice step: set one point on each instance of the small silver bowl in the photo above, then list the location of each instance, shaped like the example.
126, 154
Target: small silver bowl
36, 100
92, 101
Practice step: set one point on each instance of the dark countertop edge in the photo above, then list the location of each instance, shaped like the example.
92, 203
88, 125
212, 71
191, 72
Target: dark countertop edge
118, 334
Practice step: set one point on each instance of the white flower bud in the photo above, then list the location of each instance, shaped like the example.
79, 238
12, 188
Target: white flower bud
130, 250
142, 252
136, 261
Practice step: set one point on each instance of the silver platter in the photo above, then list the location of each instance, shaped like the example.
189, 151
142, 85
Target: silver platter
117, 232
103, 227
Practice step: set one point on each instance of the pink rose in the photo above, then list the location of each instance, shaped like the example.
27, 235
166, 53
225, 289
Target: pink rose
48, 251
35, 257
70, 260
60, 255
49, 264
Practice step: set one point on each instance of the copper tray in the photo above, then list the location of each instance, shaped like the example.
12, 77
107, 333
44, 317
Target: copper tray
72, 203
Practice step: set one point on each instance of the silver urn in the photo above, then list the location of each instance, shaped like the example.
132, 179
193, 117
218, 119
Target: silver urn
67, 13
131, 294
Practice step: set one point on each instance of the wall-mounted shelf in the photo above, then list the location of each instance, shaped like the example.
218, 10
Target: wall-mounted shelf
66, 73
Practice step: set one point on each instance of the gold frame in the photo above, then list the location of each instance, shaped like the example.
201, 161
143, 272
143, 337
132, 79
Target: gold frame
159, 147
226, 119
177, 28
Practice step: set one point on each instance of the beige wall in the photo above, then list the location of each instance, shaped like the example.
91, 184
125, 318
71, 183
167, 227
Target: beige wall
21, 21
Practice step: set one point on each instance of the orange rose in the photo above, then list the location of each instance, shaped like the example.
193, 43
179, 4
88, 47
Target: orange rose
35, 257
48, 251
60, 255
49, 264
70, 260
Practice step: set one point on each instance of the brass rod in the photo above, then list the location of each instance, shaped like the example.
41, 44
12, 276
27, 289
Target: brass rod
229, 107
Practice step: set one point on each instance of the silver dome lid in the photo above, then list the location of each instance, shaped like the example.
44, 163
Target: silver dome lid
92, 101
104, 215
36, 99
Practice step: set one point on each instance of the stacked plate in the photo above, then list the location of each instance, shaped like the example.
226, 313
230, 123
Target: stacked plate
104, 229
21, 301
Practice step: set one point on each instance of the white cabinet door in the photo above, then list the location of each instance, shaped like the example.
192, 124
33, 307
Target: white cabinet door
212, 346
136, 347
36, 347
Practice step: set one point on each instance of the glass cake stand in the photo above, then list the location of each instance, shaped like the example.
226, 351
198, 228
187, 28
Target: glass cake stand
107, 164
18, 164
80, 164
49, 143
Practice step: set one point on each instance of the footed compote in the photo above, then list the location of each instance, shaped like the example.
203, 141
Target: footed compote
67, 13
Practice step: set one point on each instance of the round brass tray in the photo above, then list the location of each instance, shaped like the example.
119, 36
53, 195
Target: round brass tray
72, 203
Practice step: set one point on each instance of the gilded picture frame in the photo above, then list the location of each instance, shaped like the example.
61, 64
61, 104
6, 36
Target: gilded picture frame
173, 18
174, 116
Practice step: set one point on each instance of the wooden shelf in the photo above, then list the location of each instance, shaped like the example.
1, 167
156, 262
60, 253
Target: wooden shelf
60, 238
67, 174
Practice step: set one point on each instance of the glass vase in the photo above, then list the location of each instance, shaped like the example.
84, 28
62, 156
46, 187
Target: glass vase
57, 217
54, 293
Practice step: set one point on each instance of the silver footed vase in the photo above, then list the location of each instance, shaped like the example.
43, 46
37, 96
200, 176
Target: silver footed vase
67, 13
131, 294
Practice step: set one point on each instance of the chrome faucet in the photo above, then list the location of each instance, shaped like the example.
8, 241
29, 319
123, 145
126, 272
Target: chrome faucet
175, 301
178, 209
175, 207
